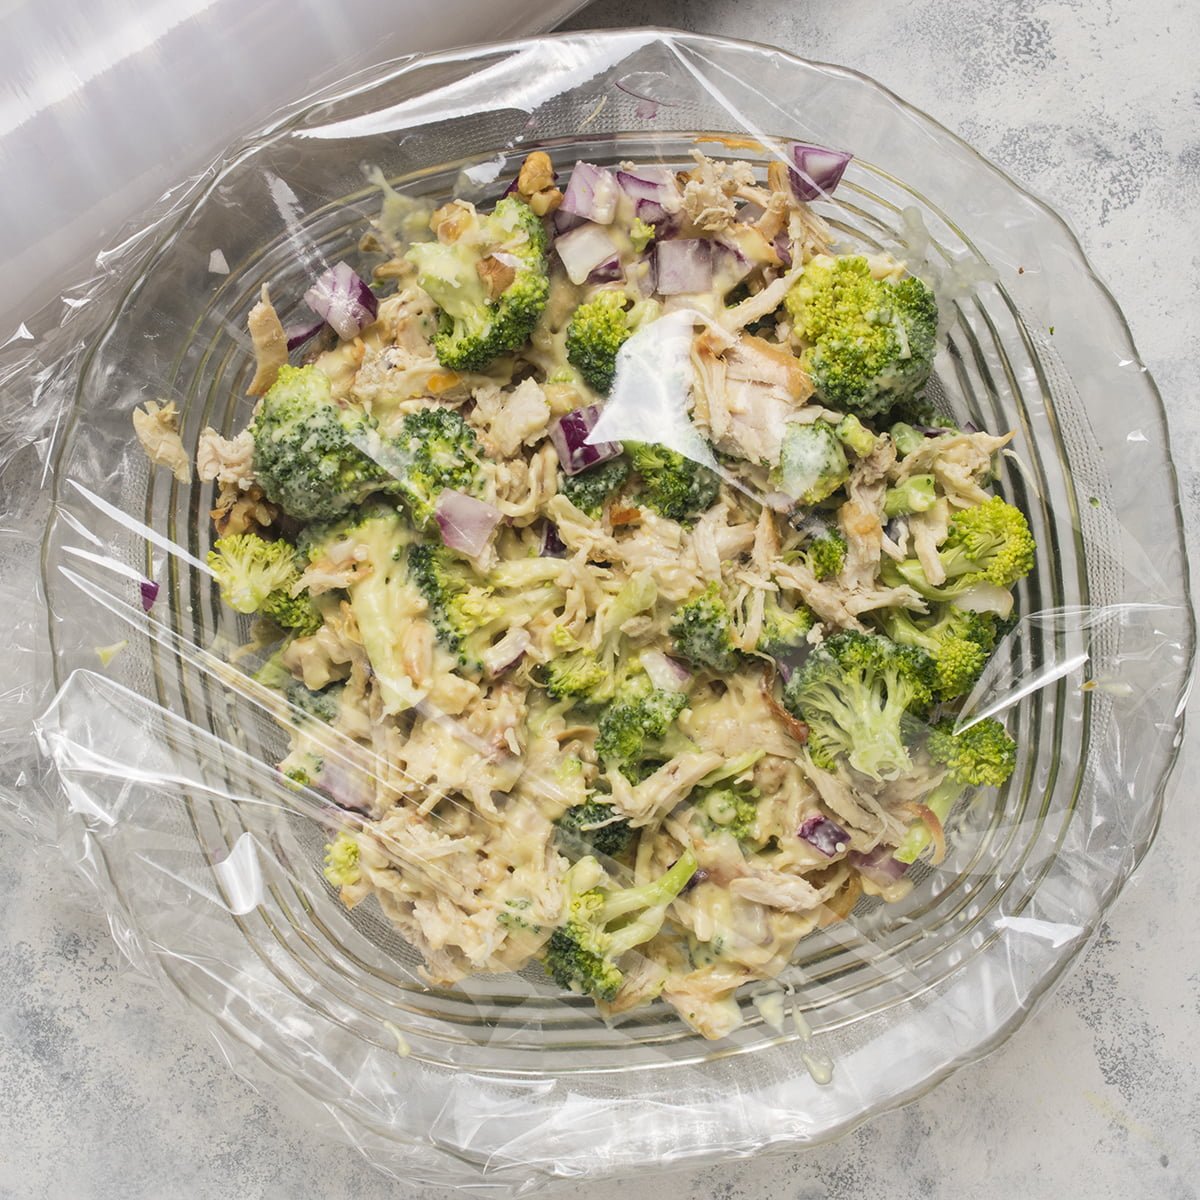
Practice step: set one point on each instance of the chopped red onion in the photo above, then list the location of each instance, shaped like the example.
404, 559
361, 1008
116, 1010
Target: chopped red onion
569, 435
149, 593
824, 835
551, 546
666, 223
683, 266
591, 193
506, 653
666, 673
347, 780
783, 247
607, 272
583, 249
651, 183
818, 170
879, 866
297, 335
465, 523
730, 263
342, 299
564, 222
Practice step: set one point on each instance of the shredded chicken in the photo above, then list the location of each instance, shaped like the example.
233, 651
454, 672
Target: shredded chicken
709, 191
157, 428
269, 341
227, 460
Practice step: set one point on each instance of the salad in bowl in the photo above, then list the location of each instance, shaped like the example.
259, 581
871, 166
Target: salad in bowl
617, 584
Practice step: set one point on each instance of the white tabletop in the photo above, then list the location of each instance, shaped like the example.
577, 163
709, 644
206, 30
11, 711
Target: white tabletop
106, 1091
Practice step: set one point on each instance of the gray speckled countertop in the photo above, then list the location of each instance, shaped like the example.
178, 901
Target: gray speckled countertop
106, 1092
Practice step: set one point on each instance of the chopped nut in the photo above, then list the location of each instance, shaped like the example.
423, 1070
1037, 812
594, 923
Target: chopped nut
394, 268
496, 275
537, 174
241, 511
449, 221
545, 201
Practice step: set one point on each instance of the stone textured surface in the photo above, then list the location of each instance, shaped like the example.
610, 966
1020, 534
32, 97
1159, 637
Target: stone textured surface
105, 1092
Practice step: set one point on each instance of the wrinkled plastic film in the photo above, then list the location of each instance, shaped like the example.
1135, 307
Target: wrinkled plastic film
153, 766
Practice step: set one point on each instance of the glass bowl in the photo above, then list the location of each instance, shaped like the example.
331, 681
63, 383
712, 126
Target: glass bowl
210, 870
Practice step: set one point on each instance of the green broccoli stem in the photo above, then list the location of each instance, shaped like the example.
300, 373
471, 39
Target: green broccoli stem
650, 902
939, 802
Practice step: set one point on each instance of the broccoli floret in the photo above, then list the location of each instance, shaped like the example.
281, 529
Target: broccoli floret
594, 827
703, 631
604, 923
983, 755
324, 705
783, 630
598, 329
858, 692
575, 676
590, 489
959, 641
853, 433
477, 327
638, 725
916, 494
826, 554
341, 861
812, 463
672, 485
870, 341
313, 458
641, 234
258, 576
248, 569
295, 613
732, 809
466, 614
990, 543
435, 449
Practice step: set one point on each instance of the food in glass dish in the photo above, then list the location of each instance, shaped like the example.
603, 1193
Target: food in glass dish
614, 577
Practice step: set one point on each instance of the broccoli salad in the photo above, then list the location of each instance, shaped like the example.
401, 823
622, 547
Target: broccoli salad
641, 696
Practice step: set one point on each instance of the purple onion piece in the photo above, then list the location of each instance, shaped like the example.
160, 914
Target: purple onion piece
683, 266
783, 247
564, 222
824, 835
149, 593
505, 653
465, 523
879, 866
729, 263
341, 298
297, 335
592, 193
818, 170
583, 249
648, 183
569, 435
607, 272
551, 546
666, 673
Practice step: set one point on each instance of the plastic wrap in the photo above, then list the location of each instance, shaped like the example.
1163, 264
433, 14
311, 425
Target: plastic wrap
130, 739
